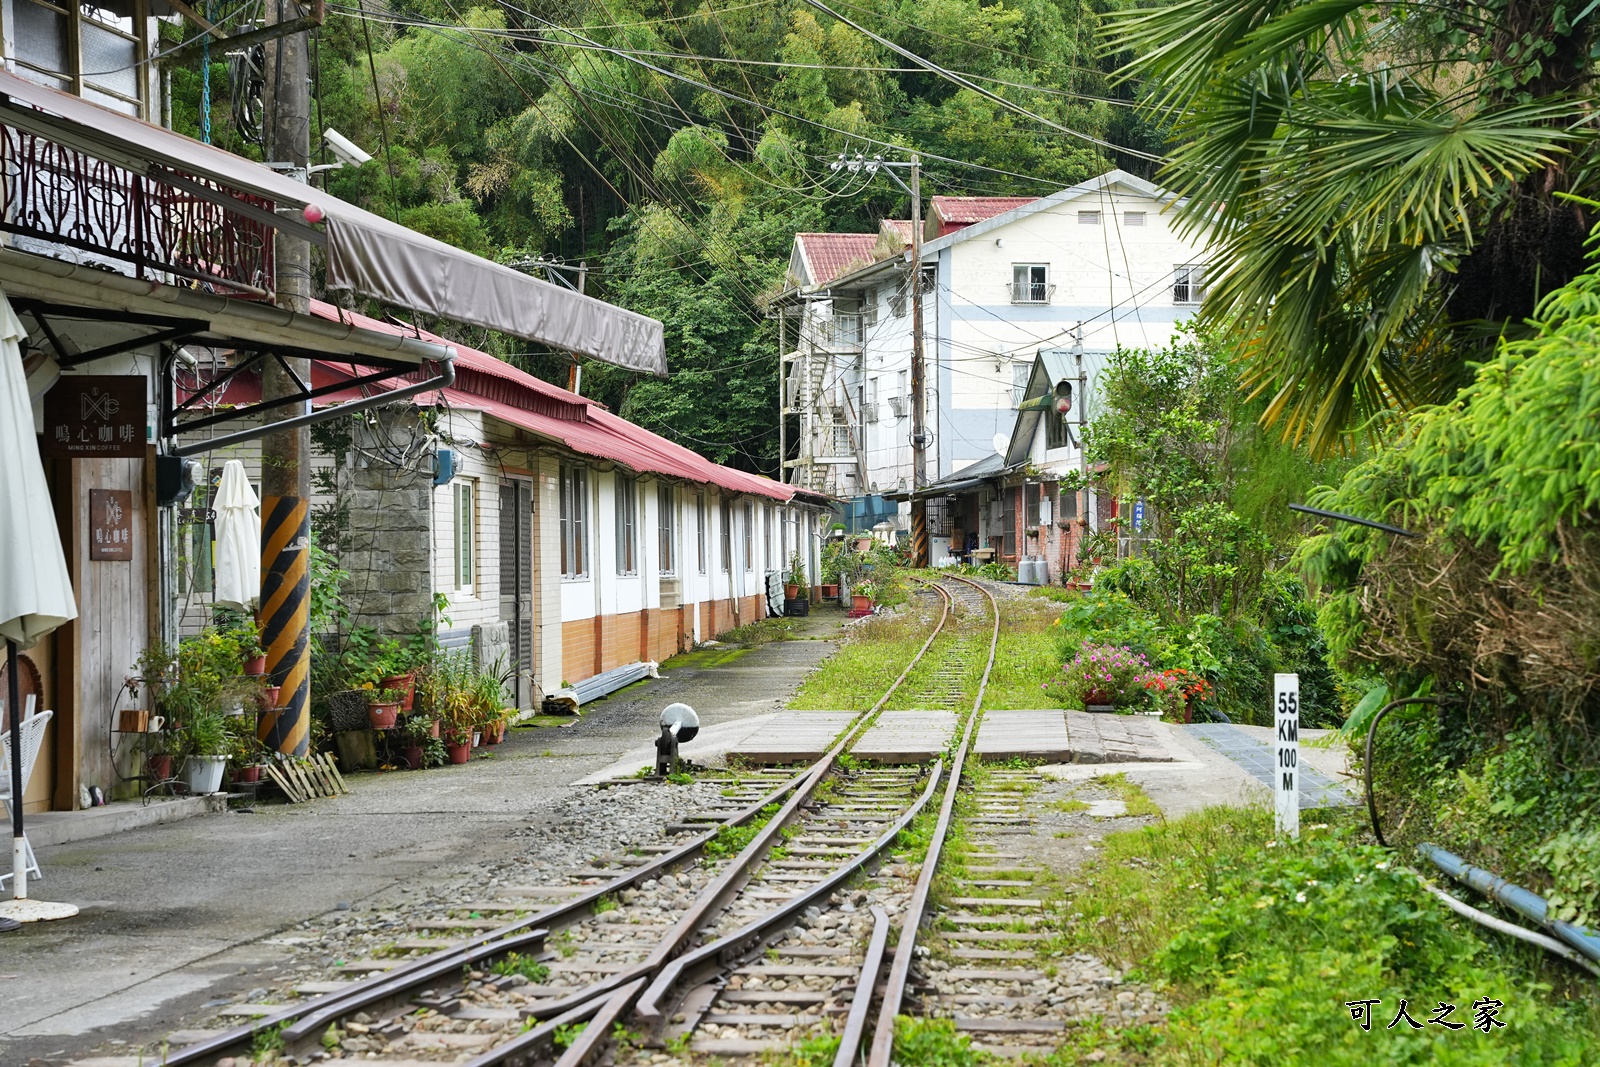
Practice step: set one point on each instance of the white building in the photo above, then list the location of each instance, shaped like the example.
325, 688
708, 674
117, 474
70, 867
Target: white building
1098, 265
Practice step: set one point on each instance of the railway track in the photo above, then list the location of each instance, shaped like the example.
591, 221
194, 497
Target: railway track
752, 914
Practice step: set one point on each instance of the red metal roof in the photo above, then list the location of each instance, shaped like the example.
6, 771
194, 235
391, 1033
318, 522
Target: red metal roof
494, 387
829, 255
954, 212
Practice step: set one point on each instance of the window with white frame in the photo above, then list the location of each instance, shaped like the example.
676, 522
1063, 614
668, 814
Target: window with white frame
727, 535
667, 526
627, 525
749, 536
1030, 283
766, 538
1189, 283
1020, 373
701, 533
869, 308
574, 522
466, 523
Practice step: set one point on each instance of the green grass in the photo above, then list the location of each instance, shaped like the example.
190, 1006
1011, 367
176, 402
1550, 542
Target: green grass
1130, 793
872, 656
703, 657
1025, 657
761, 632
731, 840
516, 963
1260, 943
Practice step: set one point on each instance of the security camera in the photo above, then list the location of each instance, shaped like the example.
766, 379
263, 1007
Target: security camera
344, 149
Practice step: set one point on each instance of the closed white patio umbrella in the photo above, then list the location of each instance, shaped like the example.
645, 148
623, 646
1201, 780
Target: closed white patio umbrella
238, 540
35, 589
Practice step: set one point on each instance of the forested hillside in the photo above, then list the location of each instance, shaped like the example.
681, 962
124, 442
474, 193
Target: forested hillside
675, 148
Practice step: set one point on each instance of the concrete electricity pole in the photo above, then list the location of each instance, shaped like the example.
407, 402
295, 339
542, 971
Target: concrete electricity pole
285, 455
919, 393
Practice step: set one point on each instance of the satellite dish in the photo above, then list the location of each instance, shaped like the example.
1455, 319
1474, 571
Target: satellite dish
683, 717
1000, 442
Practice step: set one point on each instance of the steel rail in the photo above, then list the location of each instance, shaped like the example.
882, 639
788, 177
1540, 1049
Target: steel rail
502, 939
624, 988
866, 985
911, 921
707, 960
668, 964
306, 1022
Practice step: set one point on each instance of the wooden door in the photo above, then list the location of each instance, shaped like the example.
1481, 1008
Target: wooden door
516, 582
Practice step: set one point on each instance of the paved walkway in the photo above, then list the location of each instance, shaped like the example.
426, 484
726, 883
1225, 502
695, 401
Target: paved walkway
1256, 756
1070, 737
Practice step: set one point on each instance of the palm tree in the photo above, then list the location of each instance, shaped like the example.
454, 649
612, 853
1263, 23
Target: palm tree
1384, 183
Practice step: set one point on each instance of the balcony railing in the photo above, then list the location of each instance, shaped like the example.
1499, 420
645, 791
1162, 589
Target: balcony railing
60, 196
1032, 292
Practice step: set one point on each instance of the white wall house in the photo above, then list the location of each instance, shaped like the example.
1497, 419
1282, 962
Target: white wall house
1093, 267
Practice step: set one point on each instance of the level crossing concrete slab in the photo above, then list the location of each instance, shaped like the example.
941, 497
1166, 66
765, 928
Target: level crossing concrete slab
1057, 736
906, 736
792, 736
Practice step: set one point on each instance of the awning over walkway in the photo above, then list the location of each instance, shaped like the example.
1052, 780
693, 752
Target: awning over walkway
366, 253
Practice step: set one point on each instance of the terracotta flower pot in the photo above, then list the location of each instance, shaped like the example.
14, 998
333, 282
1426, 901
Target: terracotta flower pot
413, 754
791, 591
256, 666
830, 591
459, 753
433, 729
160, 767
860, 603
269, 697
246, 775
382, 716
405, 683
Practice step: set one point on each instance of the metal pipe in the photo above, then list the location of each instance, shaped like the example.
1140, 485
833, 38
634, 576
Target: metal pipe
1520, 900
1494, 922
445, 378
1342, 517
1366, 763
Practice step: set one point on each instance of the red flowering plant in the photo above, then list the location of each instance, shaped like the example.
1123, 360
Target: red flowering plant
1103, 674
1177, 689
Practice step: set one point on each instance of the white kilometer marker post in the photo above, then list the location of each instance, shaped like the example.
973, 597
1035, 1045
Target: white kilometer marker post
1286, 753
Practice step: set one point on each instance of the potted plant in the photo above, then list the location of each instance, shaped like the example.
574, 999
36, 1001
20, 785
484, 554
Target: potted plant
418, 732
457, 742
205, 740
393, 670
159, 748
1105, 678
797, 578
861, 596
830, 571
252, 656
244, 754
383, 707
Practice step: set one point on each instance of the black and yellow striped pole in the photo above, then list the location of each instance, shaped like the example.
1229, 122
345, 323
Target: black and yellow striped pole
285, 622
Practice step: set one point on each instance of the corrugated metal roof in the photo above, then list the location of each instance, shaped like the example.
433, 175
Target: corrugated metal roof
954, 212
494, 387
828, 255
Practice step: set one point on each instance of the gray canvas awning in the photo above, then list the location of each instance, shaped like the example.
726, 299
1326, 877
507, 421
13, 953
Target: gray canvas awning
367, 254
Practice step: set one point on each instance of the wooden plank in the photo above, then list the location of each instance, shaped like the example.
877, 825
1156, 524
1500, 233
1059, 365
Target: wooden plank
974, 1024
735, 1046
961, 974
756, 1018
283, 783
996, 902
785, 970
333, 768
772, 996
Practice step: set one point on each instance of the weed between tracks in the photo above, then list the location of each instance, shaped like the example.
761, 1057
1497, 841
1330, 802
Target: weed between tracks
731, 840
871, 656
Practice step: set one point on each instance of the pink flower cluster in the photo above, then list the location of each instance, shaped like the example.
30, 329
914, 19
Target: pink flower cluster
1115, 671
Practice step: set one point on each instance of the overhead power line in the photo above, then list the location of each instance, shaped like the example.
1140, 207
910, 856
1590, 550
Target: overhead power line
987, 94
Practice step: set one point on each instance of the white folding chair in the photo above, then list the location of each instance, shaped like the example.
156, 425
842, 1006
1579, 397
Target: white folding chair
32, 737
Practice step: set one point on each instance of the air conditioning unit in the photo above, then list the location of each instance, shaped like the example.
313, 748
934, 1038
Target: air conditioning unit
898, 405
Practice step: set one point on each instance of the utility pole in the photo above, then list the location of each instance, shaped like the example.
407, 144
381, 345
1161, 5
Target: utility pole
575, 372
285, 468
919, 392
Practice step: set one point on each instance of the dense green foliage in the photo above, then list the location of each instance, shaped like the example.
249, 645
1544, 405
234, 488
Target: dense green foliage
1383, 181
674, 150
1202, 589
1263, 942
